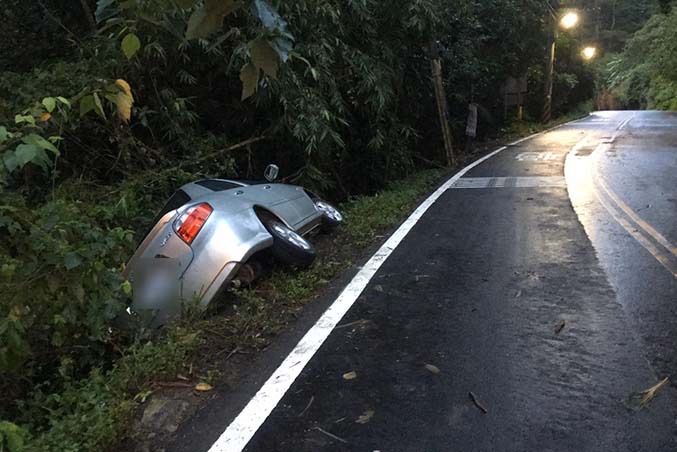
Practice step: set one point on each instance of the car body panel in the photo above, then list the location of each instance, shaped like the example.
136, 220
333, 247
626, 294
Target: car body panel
156, 268
166, 273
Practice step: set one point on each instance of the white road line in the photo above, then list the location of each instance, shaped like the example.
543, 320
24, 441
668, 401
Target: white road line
510, 182
625, 123
244, 426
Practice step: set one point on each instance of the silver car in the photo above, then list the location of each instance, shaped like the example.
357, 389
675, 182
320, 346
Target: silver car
203, 240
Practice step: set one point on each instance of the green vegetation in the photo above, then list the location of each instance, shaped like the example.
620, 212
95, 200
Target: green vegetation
107, 106
518, 129
51, 415
645, 74
640, 72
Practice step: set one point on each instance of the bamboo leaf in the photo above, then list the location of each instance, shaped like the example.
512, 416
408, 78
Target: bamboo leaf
250, 79
203, 387
124, 86
264, 57
124, 106
98, 106
208, 18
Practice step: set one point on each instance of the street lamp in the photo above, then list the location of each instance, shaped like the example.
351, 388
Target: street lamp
589, 52
568, 21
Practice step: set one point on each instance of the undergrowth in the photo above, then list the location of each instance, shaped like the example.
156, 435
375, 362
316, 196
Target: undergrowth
92, 412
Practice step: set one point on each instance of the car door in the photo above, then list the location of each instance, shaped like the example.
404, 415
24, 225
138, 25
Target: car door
278, 198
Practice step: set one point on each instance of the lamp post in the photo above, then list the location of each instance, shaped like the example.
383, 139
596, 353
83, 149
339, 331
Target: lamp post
568, 21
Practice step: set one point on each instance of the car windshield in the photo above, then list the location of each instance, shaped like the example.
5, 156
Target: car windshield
218, 184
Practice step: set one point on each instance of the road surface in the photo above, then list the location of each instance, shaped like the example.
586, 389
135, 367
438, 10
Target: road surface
543, 282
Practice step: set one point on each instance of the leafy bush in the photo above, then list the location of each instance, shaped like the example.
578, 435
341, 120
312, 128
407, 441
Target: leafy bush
12, 437
60, 288
645, 74
93, 412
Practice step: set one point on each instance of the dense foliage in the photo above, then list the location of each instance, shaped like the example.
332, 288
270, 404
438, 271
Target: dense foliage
107, 106
645, 74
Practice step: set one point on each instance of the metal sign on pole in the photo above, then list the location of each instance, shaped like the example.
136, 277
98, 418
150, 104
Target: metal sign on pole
514, 90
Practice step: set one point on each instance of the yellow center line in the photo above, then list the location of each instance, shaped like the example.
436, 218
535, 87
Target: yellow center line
637, 235
615, 206
631, 213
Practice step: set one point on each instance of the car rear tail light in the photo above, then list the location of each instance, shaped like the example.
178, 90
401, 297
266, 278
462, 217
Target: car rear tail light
189, 224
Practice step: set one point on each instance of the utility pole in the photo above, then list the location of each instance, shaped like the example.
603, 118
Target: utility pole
598, 17
549, 74
441, 101
550, 64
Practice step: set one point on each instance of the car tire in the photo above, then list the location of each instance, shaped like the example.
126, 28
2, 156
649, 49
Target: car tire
331, 216
289, 246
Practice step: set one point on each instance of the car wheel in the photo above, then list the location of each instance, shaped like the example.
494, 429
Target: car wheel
289, 246
331, 217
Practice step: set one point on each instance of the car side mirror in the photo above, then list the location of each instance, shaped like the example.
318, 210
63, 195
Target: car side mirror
271, 173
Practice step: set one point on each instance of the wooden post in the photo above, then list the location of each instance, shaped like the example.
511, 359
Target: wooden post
549, 74
441, 101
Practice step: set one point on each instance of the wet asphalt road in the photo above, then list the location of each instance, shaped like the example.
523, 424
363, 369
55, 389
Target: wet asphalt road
481, 288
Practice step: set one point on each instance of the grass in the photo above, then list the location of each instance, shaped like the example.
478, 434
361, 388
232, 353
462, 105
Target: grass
93, 413
519, 129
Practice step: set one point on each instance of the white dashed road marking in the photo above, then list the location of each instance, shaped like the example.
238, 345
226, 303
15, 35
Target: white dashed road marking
510, 182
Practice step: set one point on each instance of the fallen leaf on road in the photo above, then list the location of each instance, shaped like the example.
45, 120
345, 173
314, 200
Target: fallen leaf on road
432, 368
518, 294
203, 387
331, 435
366, 417
350, 375
560, 326
641, 399
378, 288
355, 323
312, 398
477, 403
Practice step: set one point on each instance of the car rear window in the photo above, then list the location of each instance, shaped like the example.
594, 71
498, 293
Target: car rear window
177, 200
217, 185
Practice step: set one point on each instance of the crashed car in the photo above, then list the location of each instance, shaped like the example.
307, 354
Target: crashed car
201, 242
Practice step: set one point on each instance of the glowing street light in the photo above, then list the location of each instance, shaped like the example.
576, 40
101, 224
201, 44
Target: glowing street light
569, 20
589, 52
